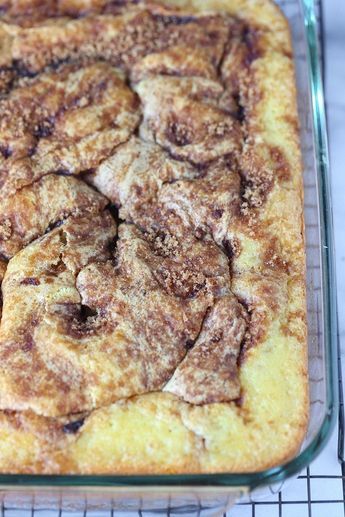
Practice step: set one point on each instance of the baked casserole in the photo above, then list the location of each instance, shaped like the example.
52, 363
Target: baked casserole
151, 238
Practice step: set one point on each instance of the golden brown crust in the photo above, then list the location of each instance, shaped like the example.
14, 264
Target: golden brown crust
134, 174
183, 116
141, 315
39, 283
209, 371
174, 339
63, 121
49, 201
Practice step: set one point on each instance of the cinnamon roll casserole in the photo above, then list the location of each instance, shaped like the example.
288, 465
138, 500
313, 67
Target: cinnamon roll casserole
151, 238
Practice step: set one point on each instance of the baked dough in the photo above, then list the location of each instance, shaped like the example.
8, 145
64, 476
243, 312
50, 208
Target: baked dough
151, 238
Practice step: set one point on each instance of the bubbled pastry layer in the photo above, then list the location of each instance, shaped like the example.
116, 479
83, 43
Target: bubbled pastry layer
152, 260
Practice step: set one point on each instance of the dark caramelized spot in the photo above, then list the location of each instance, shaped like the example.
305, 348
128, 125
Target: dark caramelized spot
30, 281
120, 3
174, 19
63, 172
73, 427
179, 134
58, 223
240, 112
228, 248
114, 210
32, 150
5, 151
217, 213
251, 40
21, 70
43, 129
240, 401
189, 343
86, 312
28, 345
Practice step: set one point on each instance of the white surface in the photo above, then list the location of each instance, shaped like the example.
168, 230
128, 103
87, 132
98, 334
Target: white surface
335, 97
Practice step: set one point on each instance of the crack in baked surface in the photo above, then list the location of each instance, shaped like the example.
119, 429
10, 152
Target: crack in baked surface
150, 236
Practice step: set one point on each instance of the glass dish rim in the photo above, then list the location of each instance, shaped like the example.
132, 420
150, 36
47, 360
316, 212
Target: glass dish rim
282, 472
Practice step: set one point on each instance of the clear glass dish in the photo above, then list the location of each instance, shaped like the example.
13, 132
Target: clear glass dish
210, 494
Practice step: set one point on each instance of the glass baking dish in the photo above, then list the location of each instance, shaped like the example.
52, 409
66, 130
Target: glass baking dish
213, 494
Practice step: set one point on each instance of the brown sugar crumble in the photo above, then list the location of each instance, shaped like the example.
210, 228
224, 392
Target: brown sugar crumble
86, 108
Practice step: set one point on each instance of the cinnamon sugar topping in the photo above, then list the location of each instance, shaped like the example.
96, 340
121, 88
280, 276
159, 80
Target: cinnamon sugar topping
146, 108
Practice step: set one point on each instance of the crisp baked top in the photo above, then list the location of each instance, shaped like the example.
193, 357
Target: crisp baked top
150, 208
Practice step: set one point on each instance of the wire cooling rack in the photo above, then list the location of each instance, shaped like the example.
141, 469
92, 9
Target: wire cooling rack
319, 491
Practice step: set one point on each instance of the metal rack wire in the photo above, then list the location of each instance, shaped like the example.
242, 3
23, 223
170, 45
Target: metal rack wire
305, 502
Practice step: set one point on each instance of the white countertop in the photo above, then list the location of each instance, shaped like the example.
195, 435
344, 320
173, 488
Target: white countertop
335, 100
